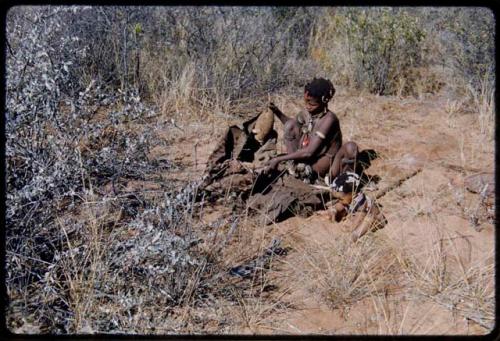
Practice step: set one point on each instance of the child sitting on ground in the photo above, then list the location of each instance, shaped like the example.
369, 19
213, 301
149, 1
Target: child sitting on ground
367, 215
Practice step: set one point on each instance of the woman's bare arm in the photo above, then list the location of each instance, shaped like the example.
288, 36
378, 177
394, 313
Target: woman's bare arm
312, 148
282, 117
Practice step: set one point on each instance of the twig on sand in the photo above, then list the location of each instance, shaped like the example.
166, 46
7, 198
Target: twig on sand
396, 184
461, 169
195, 156
387, 189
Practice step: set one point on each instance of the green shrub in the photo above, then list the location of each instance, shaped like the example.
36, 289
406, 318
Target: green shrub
471, 44
374, 49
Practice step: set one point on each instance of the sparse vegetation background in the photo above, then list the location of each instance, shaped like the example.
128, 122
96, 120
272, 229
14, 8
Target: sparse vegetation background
83, 86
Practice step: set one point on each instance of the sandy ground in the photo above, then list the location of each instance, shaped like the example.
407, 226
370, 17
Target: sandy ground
428, 222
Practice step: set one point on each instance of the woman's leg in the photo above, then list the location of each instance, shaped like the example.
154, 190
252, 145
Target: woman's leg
345, 159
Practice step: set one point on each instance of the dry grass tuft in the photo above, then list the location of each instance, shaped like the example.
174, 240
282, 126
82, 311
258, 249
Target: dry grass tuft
483, 100
442, 274
345, 273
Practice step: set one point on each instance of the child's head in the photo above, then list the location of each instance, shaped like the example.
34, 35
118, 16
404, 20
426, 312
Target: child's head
317, 94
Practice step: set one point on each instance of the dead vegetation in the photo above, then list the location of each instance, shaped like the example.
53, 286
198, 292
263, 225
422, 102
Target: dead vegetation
104, 236
346, 273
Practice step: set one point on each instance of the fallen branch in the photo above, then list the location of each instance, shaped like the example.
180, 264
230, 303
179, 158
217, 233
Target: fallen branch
461, 169
384, 191
396, 184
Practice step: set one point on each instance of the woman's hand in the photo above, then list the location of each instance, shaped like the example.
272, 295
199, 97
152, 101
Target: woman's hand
271, 165
282, 117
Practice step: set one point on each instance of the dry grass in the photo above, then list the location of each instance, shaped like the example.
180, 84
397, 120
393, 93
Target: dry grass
82, 274
442, 277
378, 271
452, 108
150, 261
483, 101
439, 269
345, 273
259, 297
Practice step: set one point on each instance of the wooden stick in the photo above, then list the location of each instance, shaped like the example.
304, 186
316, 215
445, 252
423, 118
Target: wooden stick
195, 156
461, 169
396, 184
384, 191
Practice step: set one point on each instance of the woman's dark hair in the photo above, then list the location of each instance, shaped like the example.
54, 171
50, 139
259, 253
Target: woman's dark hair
320, 88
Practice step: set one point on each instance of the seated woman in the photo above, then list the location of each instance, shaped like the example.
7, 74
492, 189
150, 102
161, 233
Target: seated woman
313, 140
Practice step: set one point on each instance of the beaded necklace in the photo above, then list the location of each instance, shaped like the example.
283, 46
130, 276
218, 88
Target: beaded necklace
307, 128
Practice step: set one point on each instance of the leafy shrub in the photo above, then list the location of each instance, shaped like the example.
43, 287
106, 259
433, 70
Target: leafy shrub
217, 56
374, 49
470, 42
62, 258
462, 42
210, 53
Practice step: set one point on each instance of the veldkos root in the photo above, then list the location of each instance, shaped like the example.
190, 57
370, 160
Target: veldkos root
263, 126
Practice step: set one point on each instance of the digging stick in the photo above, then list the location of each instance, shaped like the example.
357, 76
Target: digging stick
384, 191
396, 184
